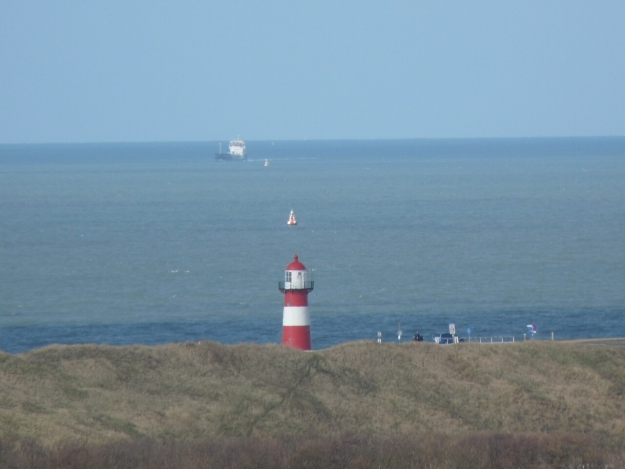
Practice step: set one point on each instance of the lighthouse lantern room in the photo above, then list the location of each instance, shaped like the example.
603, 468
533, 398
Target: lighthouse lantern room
296, 318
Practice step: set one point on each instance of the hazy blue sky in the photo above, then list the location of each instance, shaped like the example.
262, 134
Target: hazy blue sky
124, 70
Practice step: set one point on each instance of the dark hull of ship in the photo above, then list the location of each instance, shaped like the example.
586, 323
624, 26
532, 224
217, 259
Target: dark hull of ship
228, 157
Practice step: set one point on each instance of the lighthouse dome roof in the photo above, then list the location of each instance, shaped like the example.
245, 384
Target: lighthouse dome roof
296, 264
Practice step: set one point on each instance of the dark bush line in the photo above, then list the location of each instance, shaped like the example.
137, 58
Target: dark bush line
347, 451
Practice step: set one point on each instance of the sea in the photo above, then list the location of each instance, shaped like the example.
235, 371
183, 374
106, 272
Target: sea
156, 243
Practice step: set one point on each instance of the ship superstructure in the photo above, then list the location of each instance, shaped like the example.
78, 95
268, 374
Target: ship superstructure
236, 151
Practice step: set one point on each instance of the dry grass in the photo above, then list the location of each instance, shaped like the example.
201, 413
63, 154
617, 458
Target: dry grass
349, 451
190, 392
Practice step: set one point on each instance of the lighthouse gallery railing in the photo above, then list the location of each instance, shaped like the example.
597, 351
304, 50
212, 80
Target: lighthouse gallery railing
308, 285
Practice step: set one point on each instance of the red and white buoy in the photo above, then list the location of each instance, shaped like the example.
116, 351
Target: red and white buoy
296, 319
292, 221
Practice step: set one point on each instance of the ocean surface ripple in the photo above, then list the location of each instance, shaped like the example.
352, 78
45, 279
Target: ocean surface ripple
157, 243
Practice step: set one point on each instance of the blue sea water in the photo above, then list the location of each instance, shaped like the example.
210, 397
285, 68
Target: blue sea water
157, 243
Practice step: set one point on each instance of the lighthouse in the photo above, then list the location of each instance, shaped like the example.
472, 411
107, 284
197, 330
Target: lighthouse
296, 319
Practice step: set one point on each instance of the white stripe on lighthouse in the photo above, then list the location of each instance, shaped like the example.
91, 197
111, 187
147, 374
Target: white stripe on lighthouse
296, 316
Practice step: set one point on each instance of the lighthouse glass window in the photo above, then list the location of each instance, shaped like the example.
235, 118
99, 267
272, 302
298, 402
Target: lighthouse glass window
298, 281
288, 277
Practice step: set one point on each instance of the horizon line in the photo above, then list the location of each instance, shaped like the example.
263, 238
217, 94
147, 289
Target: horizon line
144, 142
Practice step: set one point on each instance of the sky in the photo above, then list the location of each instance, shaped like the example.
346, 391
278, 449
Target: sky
151, 71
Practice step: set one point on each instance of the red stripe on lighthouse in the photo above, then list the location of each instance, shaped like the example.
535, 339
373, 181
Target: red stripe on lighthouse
297, 337
296, 298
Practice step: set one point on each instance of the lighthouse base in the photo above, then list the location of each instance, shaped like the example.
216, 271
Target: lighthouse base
297, 337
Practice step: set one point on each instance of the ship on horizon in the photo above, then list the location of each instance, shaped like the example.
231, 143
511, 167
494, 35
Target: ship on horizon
236, 151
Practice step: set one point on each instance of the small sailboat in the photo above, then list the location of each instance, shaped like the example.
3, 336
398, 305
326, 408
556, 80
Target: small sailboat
266, 163
292, 220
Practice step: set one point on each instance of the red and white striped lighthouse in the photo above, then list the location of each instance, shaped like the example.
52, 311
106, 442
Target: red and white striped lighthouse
296, 319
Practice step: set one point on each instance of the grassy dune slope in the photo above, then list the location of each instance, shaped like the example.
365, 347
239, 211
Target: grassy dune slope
190, 391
